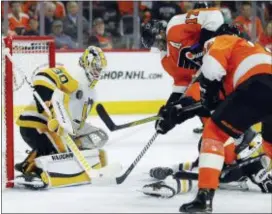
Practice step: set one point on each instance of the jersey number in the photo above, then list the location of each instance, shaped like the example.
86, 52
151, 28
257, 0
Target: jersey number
62, 77
190, 19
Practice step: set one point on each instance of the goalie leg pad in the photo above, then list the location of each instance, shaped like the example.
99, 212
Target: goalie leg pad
61, 170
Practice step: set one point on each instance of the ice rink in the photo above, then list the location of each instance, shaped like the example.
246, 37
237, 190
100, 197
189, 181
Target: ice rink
124, 145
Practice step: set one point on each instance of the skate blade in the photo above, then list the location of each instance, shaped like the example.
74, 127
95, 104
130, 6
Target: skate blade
33, 185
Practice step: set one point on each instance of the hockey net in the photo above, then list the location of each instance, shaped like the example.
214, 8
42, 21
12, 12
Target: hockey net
30, 54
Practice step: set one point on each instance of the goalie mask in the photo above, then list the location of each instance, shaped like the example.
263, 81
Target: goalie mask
93, 61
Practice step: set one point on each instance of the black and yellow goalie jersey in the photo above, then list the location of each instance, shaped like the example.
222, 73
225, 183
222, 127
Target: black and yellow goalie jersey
79, 104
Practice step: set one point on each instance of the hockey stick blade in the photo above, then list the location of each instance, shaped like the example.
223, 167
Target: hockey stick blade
103, 114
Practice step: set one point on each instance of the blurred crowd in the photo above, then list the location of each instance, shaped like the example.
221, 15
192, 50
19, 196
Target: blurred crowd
112, 21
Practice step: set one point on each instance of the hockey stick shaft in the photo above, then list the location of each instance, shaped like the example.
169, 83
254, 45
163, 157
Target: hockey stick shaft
122, 178
113, 127
103, 114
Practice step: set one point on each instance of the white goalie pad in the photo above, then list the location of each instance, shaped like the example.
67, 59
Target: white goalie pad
90, 137
66, 163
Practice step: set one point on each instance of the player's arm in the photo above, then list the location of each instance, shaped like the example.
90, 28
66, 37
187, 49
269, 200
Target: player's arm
213, 69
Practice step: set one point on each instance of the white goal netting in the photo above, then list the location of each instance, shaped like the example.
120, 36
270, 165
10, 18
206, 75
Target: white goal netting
30, 55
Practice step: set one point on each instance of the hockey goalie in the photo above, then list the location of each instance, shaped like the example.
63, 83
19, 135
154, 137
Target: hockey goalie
50, 163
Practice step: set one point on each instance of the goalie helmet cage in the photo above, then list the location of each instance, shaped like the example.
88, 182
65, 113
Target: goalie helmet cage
20, 45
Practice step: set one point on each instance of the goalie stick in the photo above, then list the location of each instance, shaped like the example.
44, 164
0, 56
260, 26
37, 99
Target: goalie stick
92, 173
186, 175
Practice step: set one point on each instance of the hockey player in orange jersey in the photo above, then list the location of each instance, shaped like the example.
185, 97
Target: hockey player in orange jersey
243, 71
181, 38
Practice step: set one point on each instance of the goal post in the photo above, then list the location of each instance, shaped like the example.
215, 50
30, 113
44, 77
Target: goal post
30, 53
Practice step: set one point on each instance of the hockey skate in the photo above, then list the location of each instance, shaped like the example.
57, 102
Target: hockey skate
28, 164
202, 203
30, 181
168, 188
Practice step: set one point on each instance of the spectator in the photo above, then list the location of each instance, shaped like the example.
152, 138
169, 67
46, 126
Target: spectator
246, 20
30, 8
111, 17
227, 15
265, 38
18, 21
165, 10
62, 40
126, 7
49, 11
268, 11
60, 10
71, 21
185, 6
98, 37
33, 28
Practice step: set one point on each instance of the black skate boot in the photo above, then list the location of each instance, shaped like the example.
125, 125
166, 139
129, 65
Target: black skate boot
202, 202
160, 173
28, 164
32, 180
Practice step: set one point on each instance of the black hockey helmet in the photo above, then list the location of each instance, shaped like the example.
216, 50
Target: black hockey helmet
228, 29
152, 32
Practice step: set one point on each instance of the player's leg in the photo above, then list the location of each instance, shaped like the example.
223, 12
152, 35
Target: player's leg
243, 108
40, 145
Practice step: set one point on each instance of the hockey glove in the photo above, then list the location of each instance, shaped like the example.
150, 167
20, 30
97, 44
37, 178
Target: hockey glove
164, 125
178, 116
209, 91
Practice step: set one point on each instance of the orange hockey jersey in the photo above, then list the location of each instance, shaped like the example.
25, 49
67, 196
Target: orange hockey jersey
235, 59
184, 31
15, 23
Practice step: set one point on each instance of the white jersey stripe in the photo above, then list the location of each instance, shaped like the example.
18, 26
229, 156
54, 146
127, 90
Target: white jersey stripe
34, 114
179, 89
248, 63
209, 160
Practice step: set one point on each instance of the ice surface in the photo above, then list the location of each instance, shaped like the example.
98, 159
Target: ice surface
124, 145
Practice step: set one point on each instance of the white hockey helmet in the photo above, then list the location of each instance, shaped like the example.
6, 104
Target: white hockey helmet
93, 61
